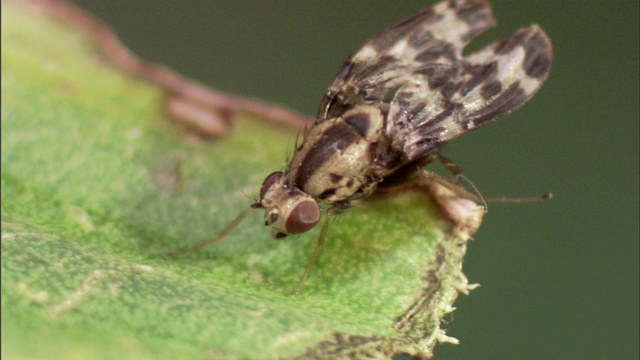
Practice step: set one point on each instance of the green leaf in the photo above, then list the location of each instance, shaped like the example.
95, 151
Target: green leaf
97, 185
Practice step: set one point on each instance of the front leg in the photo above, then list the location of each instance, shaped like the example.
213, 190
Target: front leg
335, 209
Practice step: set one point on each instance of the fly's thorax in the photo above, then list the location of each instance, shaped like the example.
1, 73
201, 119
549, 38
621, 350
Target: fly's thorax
288, 210
336, 160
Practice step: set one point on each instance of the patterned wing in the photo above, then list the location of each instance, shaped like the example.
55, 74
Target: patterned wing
436, 34
443, 101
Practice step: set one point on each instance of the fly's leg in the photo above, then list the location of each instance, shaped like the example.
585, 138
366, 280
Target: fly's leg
448, 163
459, 190
335, 209
442, 191
424, 181
321, 240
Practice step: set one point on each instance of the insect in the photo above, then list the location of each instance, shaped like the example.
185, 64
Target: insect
403, 95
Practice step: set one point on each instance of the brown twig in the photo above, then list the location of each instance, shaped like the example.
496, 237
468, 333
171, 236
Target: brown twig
190, 99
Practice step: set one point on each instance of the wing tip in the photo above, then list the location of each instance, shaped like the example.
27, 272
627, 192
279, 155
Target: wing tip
538, 53
537, 49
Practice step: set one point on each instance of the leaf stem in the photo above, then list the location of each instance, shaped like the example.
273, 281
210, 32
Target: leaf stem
220, 106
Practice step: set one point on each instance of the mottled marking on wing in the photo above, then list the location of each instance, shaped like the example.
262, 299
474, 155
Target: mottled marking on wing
523, 61
420, 106
442, 102
436, 34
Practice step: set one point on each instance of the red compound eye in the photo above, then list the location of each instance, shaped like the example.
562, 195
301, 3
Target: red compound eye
269, 182
303, 217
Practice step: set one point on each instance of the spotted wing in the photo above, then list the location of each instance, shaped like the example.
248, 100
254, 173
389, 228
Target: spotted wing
434, 35
443, 101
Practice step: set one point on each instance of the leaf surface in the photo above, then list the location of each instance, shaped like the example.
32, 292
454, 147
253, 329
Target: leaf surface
97, 185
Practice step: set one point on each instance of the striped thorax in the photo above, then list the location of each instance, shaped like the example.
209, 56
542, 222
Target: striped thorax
335, 164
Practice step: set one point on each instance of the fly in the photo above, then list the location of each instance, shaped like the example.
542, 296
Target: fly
403, 95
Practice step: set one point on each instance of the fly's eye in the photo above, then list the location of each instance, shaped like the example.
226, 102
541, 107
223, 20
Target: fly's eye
269, 182
303, 217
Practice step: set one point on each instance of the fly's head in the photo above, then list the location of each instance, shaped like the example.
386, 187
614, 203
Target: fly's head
288, 210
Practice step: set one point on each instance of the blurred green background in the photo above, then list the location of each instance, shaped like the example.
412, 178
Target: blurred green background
559, 278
